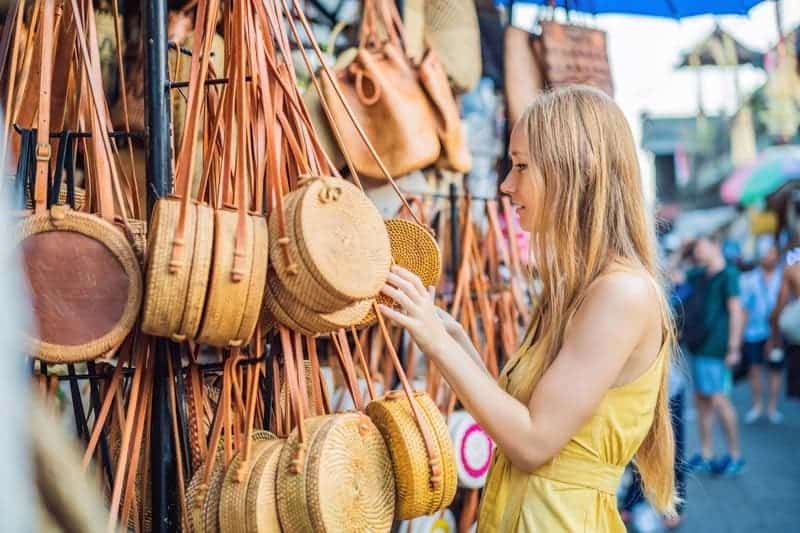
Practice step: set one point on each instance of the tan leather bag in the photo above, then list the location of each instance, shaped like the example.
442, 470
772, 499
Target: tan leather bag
524, 79
383, 91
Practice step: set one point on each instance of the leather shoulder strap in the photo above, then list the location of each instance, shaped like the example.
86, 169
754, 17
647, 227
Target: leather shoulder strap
43, 123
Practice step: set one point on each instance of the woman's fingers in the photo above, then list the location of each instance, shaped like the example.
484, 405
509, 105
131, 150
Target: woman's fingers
398, 296
411, 278
394, 316
405, 286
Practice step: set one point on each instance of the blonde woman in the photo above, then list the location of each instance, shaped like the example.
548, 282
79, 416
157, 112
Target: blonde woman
586, 393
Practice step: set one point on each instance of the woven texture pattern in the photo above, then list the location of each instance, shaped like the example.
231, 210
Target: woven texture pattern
199, 273
165, 291
345, 479
97, 229
415, 249
451, 28
231, 302
261, 505
325, 220
233, 507
416, 495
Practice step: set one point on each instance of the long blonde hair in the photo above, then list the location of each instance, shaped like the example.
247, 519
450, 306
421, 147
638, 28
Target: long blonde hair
582, 145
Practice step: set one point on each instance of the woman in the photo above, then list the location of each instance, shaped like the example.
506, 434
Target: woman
586, 393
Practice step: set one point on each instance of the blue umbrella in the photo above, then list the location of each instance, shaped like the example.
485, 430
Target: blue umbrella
655, 8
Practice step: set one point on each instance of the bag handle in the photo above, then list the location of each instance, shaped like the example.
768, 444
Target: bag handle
43, 148
207, 12
346, 363
434, 461
296, 401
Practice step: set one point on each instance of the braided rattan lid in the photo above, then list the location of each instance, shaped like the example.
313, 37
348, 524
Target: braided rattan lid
342, 234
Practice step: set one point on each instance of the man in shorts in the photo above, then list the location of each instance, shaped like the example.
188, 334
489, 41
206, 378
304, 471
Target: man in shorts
715, 323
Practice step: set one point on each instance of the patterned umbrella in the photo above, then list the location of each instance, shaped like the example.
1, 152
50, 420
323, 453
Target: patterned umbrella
755, 181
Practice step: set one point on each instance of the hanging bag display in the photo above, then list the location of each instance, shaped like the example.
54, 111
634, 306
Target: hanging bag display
239, 261
79, 317
419, 443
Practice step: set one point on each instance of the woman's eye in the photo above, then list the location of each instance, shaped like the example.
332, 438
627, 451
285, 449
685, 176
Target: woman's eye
520, 166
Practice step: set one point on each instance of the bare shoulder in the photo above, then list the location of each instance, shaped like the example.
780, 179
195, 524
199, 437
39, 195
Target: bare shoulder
630, 291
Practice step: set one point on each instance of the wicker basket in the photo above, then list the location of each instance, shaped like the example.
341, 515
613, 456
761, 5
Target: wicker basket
235, 492
79, 317
342, 481
325, 219
415, 249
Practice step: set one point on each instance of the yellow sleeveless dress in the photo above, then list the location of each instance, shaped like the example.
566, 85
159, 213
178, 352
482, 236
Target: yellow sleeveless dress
576, 490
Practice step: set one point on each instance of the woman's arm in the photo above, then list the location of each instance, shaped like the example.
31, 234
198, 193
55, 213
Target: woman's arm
456, 331
601, 337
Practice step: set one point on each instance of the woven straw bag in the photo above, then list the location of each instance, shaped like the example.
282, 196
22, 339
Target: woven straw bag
235, 493
326, 218
419, 443
334, 472
181, 235
239, 270
450, 27
78, 317
415, 249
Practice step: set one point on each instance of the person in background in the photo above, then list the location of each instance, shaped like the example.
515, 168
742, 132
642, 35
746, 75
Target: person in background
712, 333
760, 288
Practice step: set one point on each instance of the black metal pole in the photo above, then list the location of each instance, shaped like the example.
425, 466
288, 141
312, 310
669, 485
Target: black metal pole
164, 494
455, 243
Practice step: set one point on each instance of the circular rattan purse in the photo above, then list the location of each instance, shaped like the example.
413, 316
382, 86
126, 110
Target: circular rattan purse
419, 443
334, 472
326, 219
83, 275
182, 231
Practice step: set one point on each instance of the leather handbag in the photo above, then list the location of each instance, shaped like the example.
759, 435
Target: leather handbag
523, 76
383, 91
78, 317
321, 452
575, 54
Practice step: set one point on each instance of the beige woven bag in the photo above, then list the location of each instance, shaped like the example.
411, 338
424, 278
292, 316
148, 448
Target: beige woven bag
419, 442
239, 266
181, 236
325, 218
322, 452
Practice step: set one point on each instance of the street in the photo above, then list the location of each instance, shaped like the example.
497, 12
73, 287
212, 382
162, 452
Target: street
766, 497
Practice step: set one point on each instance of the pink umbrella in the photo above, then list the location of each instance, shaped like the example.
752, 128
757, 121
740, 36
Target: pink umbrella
732, 187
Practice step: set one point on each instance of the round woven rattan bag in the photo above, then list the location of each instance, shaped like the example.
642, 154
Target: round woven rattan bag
338, 247
85, 284
342, 481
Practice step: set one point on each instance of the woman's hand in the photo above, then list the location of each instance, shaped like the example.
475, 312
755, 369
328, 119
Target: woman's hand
418, 315
452, 326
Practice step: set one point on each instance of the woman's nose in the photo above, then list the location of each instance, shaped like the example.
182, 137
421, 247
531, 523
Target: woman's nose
507, 187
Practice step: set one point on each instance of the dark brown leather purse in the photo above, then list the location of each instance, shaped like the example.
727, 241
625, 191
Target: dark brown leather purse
84, 277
